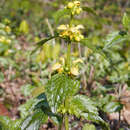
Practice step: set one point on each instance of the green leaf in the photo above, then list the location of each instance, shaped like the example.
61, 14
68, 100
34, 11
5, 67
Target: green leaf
60, 13
27, 89
4, 61
1, 77
56, 51
43, 104
7, 124
58, 88
88, 127
3, 47
112, 39
92, 117
113, 107
37, 91
82, 106
4, 122
126, 21
26, 108
42, 42
88, 43
33, 104
34, 121
89, 10
56, 120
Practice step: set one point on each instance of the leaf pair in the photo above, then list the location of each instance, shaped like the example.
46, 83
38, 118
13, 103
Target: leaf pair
61, 90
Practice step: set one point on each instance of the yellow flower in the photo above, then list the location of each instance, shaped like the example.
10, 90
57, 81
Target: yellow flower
77, 3
78, 10
70, 5
64, 34
79, 26
78, 61
71, 32
75, 54
56, 66
2, 39
74, 7
77, 38
73, 29
74, 71
81, 36
62, 27
7, 29
7, 21
60, 70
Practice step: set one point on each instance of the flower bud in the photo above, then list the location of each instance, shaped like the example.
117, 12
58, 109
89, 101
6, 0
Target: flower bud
66, 69
78, 10
70, 5
7, 29
77, 3
63, 110
77, 38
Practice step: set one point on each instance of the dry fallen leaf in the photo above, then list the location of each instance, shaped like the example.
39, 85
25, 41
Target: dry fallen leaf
4, 111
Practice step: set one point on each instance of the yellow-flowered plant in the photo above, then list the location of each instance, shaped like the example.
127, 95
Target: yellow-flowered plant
7, 21
4, 40
60, 67
7, 29
74, 7
7, 39
71, 31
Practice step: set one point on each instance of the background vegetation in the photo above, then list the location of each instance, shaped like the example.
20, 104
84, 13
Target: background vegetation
26, 65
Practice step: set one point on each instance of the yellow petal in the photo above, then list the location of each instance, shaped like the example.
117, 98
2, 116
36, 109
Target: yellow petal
7, 29
78, 10
70, 5
77, 3
80, 27
81, 36
60, 70
78, 61
56, 66
77, 38
73, 29
62, 27
74, 71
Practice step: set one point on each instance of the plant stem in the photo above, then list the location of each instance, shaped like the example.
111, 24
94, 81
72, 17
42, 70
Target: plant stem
51, 30
66, 122
68, 65
68, 55
119, 96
